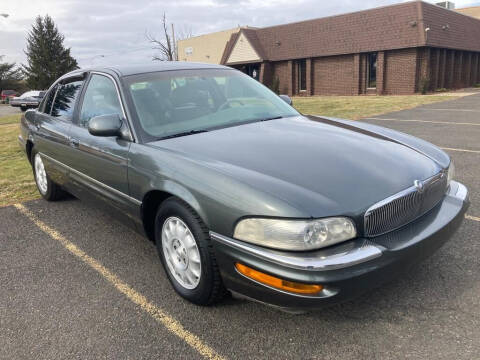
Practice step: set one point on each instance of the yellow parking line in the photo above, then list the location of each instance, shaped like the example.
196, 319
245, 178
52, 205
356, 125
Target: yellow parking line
463, 150
157, 313
427, 121
474, 218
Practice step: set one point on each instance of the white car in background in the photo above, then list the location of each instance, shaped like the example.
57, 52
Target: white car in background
30, 99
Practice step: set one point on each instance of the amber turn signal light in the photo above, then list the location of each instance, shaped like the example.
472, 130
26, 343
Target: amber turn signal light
278, 283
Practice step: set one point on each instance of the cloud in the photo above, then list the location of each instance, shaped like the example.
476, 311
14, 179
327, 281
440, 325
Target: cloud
116, 29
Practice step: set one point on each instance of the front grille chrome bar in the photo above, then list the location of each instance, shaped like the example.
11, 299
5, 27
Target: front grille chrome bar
405, 206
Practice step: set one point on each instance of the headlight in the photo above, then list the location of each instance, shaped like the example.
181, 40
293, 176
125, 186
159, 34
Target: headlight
451, 172
295, 234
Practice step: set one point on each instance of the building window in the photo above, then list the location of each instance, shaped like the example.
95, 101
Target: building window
252, 70
302, 74
372, 70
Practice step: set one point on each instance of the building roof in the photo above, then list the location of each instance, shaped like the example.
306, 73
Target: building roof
390, 27
251, 35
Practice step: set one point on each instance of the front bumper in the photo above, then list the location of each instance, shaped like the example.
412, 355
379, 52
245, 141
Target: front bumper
345, 270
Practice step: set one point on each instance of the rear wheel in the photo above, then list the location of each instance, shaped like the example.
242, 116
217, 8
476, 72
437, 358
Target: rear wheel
46, 187
183, 244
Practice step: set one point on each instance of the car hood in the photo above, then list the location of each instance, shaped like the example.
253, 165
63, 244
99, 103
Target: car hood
323, 167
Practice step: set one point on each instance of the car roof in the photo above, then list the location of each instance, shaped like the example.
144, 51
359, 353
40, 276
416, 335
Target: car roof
126, 70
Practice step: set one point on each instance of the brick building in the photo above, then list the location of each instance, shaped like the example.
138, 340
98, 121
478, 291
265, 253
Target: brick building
398, 49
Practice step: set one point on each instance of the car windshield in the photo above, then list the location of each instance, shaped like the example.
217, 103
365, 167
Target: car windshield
174, 103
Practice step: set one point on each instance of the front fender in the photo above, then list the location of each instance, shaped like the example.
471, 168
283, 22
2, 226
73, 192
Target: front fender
220, 200
181, 192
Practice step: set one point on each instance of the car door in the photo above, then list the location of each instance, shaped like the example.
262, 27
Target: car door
99, 166
53, 121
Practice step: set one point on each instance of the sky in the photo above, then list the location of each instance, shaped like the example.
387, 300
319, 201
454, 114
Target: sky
102, 32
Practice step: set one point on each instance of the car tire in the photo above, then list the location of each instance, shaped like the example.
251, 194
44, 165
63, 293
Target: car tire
49, 190
23, 108
191, 267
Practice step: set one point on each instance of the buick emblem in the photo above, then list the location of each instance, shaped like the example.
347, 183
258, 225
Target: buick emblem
419, 186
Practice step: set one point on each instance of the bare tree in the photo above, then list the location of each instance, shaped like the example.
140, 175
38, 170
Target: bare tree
167, 46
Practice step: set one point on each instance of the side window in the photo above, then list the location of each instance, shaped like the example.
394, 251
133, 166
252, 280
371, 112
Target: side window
47, 101
100, 98
64, 103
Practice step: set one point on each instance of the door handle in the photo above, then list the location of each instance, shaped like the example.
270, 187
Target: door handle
74, 142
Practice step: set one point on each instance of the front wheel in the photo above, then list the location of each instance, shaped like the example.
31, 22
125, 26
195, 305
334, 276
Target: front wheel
183, 244
46, 187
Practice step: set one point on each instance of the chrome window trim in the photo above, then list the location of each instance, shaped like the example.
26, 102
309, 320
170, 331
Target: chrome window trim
124, 113
54, 98
339, 257
109, 188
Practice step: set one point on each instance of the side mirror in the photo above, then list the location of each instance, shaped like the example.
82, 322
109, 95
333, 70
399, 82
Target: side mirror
287, 99
105, 125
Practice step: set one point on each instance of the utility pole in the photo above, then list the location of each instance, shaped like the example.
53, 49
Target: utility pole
175, 55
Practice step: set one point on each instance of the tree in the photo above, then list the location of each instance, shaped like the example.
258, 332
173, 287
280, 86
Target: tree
167, 46
10, 75
47, 57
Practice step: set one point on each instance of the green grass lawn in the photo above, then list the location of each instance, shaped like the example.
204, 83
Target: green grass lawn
10, 119
16, 179
357, 107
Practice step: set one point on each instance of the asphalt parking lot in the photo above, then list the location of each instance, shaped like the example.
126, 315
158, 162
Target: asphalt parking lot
8, 110
76, 284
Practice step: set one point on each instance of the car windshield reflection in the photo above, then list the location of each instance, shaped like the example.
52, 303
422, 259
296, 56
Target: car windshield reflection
172, 103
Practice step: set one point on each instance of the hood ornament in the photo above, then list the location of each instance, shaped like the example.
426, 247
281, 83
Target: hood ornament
419, 186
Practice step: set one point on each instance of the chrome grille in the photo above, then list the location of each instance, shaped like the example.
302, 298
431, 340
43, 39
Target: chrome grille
406, 206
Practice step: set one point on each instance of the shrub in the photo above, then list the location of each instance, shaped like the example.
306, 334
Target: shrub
424, 85
275, 87
441, 90
477, 85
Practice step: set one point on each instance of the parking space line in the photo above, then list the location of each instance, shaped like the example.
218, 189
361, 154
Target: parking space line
474, 218
160, 315
425, 121
464, 150
463, 110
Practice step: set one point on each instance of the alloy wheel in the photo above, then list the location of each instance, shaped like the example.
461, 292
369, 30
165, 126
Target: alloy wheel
181, 253
40, 174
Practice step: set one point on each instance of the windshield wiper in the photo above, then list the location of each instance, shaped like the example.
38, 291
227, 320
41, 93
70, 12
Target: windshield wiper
271, 118
184, 133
